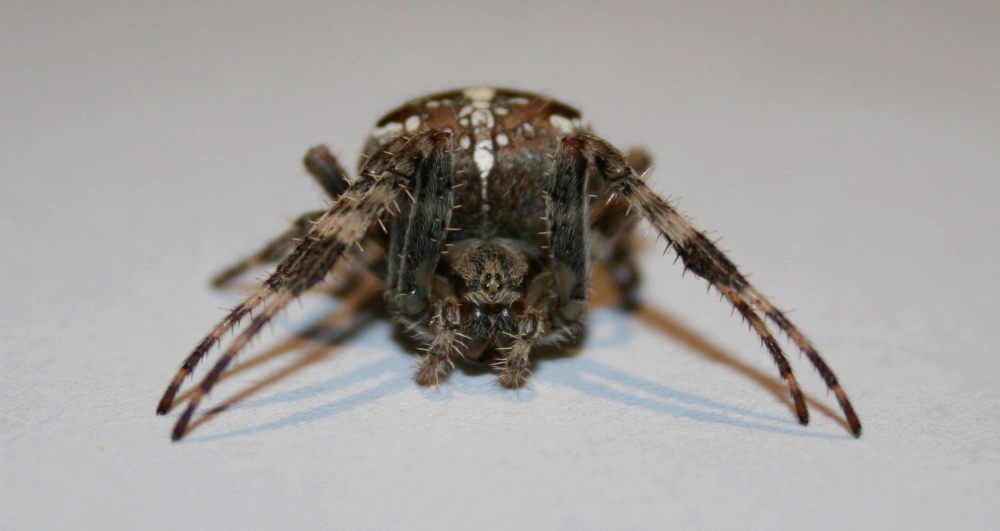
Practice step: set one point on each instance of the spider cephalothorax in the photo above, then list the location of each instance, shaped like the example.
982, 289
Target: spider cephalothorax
490, 206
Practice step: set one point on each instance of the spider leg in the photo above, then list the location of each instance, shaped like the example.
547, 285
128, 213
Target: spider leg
418, 236
328, 173
614, 226
703, 258
373, 195
567, 219
437, 360
273, 251
235, 315
557, 299
515, 364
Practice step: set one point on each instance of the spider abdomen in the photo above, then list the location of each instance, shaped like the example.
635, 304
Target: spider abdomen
503, 141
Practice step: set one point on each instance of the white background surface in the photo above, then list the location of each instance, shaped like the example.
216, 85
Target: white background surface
846, 152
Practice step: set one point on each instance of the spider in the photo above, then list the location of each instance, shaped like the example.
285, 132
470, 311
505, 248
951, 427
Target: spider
490, 205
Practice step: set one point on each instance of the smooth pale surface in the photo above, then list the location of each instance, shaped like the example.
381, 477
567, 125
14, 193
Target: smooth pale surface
847, 153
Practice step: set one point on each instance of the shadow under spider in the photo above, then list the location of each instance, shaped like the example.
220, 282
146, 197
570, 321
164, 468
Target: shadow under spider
391, 374
359, 308
697, 343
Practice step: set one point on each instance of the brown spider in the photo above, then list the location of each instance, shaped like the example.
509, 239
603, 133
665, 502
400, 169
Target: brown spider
490, 205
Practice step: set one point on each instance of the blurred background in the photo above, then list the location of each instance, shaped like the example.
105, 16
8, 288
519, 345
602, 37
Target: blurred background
846, 153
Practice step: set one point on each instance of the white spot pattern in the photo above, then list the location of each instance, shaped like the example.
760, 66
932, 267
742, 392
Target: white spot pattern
561, 123
480, 93
478, 110
483, 157
387, 130
479, 115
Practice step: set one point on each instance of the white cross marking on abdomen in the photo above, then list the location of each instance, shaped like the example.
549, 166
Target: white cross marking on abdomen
479, 116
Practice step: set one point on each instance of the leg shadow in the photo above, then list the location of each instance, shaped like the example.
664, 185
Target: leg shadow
385, 376
600, 380
697, 343
358, 310
392, 374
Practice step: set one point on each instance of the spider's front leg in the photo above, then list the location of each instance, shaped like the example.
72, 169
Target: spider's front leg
703, 258
375, 194
417, 297
514, 366
567, 216
446, 341
555, 301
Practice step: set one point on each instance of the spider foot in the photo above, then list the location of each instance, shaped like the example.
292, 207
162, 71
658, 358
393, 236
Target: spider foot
167, 401
513, 371
433, 370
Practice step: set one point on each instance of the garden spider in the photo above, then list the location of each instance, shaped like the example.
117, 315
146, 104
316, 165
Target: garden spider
490, 205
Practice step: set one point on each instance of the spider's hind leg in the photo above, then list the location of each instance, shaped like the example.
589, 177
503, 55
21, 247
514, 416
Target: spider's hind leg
446, 343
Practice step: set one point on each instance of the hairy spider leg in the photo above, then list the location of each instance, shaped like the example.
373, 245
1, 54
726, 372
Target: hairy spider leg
418, 236
446, 324
703, 258
323, 166
568, 224
372, 196
419, 232
533, 327
557, 301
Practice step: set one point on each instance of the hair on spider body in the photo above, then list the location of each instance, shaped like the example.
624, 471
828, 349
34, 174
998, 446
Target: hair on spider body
490, 206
